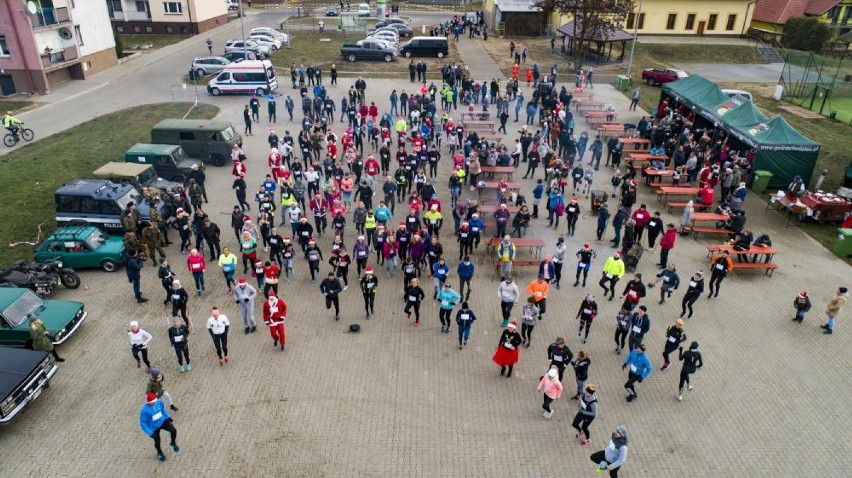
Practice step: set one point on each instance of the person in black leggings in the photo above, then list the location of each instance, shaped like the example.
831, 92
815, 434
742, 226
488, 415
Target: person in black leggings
721, 265
622, 327
691, 363
586, 412
696, 288
413, 296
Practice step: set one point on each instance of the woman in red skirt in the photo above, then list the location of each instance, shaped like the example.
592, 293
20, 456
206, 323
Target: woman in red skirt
507, 349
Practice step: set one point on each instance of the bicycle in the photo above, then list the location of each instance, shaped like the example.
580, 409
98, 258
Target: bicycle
13, 137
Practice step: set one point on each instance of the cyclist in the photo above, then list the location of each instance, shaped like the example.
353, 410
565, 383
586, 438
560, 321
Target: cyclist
11, 123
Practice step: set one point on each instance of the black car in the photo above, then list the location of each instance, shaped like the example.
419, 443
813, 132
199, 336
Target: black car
403, 30
238, 56
24, 374
331, 12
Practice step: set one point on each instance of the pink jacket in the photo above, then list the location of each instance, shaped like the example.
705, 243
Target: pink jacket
552, 387
195, 263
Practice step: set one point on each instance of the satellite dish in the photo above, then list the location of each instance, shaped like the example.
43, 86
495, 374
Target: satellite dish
32, 8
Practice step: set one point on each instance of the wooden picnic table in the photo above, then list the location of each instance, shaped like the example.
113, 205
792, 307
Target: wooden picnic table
638, 143
489, 135
534, 244
589, 105
491, 209
603, 121
762, 256
759, 250
666, 191
494, 184
595, 113
477, 115
646, 157
474, 124
507, 170
659, 174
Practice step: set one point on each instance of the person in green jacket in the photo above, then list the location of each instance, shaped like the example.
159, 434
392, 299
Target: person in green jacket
41, 339
613, 270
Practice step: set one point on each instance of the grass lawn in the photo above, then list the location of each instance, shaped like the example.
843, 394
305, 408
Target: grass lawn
14, 106
155, 40
843, 106
46, 164
308, 49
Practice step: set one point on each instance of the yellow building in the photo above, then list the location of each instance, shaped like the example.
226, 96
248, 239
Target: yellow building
683, 17
771, 15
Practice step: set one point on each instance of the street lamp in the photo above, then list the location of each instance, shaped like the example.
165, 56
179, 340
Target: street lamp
243, 31
635, 34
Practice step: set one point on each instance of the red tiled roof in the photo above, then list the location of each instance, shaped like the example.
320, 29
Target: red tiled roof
778, 11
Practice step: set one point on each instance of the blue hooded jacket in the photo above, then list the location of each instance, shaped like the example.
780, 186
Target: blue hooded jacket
152, 417
639, 364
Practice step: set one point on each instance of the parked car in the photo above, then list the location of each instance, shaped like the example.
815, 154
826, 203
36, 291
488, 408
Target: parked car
385, 34
82, 247
169, 161
271, 32
265, 40
140, 175
732, 93
238, 56
62, 317
400, 28
25, 373
232, 5
388, 41
209, 64
655, 76
368, 50
250, 45
363, 10
100, 202
425, 46
389, 21
331, 12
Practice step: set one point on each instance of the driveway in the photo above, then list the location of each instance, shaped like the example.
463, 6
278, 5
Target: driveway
740, 73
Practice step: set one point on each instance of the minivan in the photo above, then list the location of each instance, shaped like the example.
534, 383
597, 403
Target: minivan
248, 76
425, 46
209, 64
208, 140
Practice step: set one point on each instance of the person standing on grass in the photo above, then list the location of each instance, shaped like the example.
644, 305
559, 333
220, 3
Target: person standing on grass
581, 371
614, 455
802, 304
530, 315
835, 305
153, 418
218, 325
464, 319
634, 98
675, 336
506, 355
587, 313
552, 388
640, 369
414, 295
696, 288
692, 361
587, 410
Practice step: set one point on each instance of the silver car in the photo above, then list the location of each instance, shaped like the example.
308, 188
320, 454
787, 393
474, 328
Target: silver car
205, 65
251, 45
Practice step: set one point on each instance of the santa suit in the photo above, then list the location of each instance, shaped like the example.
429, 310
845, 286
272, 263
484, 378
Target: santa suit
239, 170
274, 313
371, 166
273, 160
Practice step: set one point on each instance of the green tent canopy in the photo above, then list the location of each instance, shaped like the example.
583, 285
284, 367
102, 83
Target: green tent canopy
696, 92
738, 111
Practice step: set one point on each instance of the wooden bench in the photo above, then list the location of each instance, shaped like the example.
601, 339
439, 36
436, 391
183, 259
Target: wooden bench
709, 230
769, 267
479, 125
514, 265
697, 206
589, 105
477, 115
489, 135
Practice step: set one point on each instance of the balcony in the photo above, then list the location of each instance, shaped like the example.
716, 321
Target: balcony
50, 16
53, 59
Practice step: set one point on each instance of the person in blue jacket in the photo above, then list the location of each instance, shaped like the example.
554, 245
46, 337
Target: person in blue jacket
465, 271
440, 271
603, 218
447, 299
153, 418
640, 369
538, 191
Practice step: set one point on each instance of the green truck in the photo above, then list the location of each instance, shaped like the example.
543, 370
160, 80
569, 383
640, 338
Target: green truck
169, 161
208, 140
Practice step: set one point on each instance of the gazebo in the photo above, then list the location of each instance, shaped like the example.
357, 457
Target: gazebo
599, 36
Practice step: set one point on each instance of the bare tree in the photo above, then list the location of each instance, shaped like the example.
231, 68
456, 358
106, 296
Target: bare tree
591, 18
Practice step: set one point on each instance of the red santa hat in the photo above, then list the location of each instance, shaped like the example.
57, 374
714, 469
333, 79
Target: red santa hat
150, 397
272, 293
369, 270
803, 294
586, 245
513, 325
241, 281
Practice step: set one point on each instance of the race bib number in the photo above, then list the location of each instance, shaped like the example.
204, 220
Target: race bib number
633, 368
412, 298
692, 283
672, 339
637, 329
157, 416
720, 267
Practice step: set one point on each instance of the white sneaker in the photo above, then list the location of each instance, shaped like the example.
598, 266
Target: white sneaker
680, 396
346, 287
689, 387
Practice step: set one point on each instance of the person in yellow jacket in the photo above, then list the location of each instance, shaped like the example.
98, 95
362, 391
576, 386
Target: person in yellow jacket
433, 220
228, 263
613, 270
506, 254
537, 289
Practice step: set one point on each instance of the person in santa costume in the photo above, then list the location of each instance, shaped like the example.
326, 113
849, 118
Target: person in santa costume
506, 355
274, 314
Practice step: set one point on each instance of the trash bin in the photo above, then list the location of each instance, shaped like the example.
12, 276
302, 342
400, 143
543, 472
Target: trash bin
761, 181
843, 243
622, 83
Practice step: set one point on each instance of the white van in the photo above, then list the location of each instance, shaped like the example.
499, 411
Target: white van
363, 10
250, 76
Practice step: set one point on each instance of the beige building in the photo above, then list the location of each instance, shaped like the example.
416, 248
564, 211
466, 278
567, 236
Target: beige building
176, 16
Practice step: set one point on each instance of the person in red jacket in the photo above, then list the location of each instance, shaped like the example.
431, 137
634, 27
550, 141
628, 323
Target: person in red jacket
271, 272
667, 244
196, 265
642, 217
274, 314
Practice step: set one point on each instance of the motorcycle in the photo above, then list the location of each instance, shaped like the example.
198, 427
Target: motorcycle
41, 278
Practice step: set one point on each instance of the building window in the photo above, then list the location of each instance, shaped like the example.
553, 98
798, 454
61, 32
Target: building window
732, 20
114, 5
711, 21
631, 18
79, 36
173, 8
690, 21
141, 6
4, 48
670, 23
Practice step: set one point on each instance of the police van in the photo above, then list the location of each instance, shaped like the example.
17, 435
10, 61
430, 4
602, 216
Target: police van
250, 76
100, 203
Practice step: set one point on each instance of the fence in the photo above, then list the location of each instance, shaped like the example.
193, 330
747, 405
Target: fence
819, 83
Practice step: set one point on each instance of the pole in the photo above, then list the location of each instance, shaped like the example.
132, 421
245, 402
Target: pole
635, 34
243, 30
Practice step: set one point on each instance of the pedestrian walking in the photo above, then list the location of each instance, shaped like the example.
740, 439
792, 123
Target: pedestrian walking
156, 385
802, 304
42, 339
538, 289
584, 263
274, 314
414, 295
196, 264
153, 418
614, 455
696, 288
640, 369
464, 320
622, 328
331, 288
167, 277
465, 271
720, 264
133, 266
506, 355
670, 281
835, 305
667, 243
228, 263
530, 314
244, 295
613, 270
218, 325
640, 324
139, 340
558, 260
587, 313
675, 336
508, 294
552, 388
633, 292
559, 355
692, 361
587, 410
506, 254
179, 338
447, 299
179, 300
369, 285
581, 371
